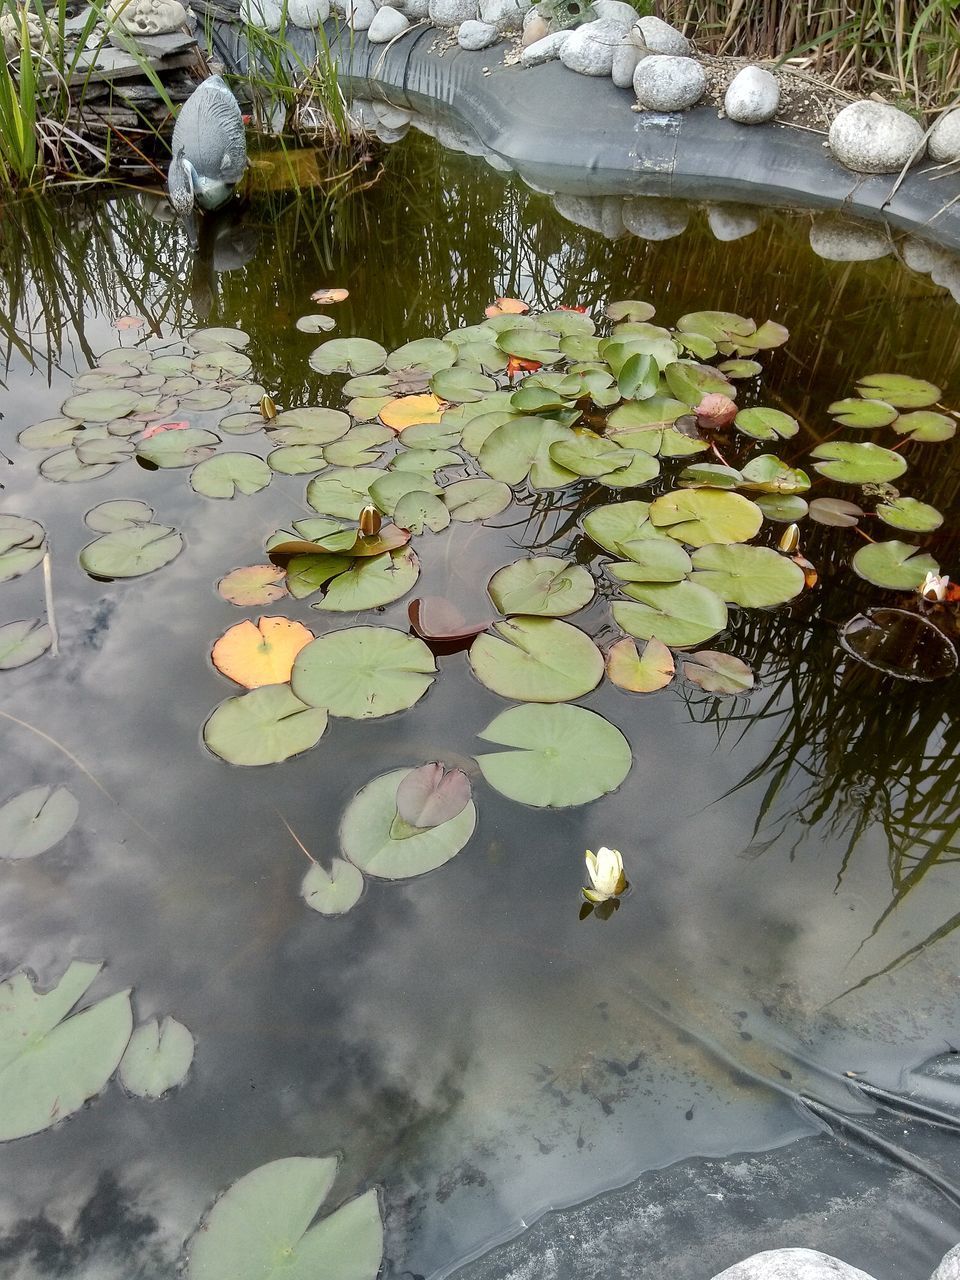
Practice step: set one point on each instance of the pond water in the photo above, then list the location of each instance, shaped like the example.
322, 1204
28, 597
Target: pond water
466, 1042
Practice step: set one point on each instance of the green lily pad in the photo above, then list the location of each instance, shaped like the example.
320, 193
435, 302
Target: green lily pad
52, 433
344, 492
651, 560
897, 565
630, 309
926, 426
22, 642
639, 377
641, 470
709, 475
766, 424
178, 448
35, 820
680, 613
537, 660
22, 546
365, 833
537, 399
782, 508
521, 448
432, 435
157, 1058
753, 577
855, 463
718, 672
100, 406
51, 1064
395, 485
425, 462
899, 390
356, 448
476, 499
460, 386
95, 450
428, 354
835, 511
721, 326
119, 513
768, 474
908, 513
738, 369
530, 343
297, 459
66, 468
477, 429
699, 516
264, 726
204, 399
229, 474
253, 584
543, 585
363, 672
640, 673
215, 338
131, 552
417, 511
617, 524
563, 756
211, 365
307, 574
690, 382
347, 355
316, 324
333, 892
865, 414
372, 582
260, 1229
325, 425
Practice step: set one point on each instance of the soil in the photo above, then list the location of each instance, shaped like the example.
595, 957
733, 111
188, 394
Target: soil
806, 101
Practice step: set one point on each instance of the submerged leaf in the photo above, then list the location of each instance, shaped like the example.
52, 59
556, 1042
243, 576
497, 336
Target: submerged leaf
900, 644
718, 672
434, 618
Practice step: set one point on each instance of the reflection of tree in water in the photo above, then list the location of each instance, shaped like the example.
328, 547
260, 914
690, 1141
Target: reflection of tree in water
109, 1231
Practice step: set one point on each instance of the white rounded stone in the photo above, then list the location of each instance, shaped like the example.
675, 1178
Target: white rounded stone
665, 83
596, 213
618, 11
360, 14
752, 96
625, 59
949, 1268
505, 15
450, 13
792, 1264
731, 222
545, 50
874, 137
659, 37
477, 35
265, 14
838, 241
591, 47
308, 14
944, 141
416, 10
655, 217
918, 255
388, 23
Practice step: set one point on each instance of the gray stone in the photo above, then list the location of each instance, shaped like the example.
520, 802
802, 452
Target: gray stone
659, 37
596, 213
360, 14
505, 15
731, 222
944, 141
10, 31
387, 24
416, 10
874, 137
918, 255
666, 83
792, 1264
308, 14
655, 217
625, 59
618, 11
949, 1268
389, 116
839, 241
264, 14
477, 35
450, 13
141, 17
591, 47
544, 50
752, 96
535, 27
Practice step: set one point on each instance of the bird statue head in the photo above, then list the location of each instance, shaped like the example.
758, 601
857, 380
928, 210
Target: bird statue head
181, 181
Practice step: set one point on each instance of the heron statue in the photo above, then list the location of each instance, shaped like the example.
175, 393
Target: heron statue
209, 149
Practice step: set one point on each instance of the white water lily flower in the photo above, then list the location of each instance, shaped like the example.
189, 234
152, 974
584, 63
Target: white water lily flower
605, 869
934, 586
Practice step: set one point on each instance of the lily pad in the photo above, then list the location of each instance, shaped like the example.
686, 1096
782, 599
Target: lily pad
215, 338
22, 546
616, 524
543, 585
131, 552
260, 1229
253, 584
690, 382
640, 673
264, 726
35, 820
365, 833
372, 582
395, 485
363, 672
67, 468
835, 511
563, 756
680, 613
782, 508
348, 355
344, 492
908, 513
768, 474
753, 577
926, 426
119, 513
476, 499
630, 309
718, 672
521, 448
177, 448
100, 406
325, 425
699, 516
899, 390
864, 414
297, 459
430, 795
897, 565
230, 474
52, 433
22, 642
51, 1064
417, 511
537, 660
410, 411
261, 653
651, 560
426, 354
858, 463
333, 892
461, 386
316, 324
766, 424
529, 343
157, 1058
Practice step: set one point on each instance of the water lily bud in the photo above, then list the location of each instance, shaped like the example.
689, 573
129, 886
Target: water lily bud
934, 587
268, 410
370, 521
790, 539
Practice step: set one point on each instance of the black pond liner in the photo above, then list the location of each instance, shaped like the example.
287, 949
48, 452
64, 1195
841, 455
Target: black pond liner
563, 132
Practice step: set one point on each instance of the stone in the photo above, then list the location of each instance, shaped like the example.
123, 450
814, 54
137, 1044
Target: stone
944, 141
596, 213
308, 14
10, 30
874, 137
505, 15
949, 1268
416, 10
666, 83
360, 14
147, 17
534, 28
655, 217
477, 35
625, 58
792, 1264
590, 48
387, 24
752, 96
837, 240
731, 222
389, 116
544, 50
658, 36
265, 14
618, 11
450, 13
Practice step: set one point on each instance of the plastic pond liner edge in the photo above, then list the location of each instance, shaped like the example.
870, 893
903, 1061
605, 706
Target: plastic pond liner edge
572, 134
